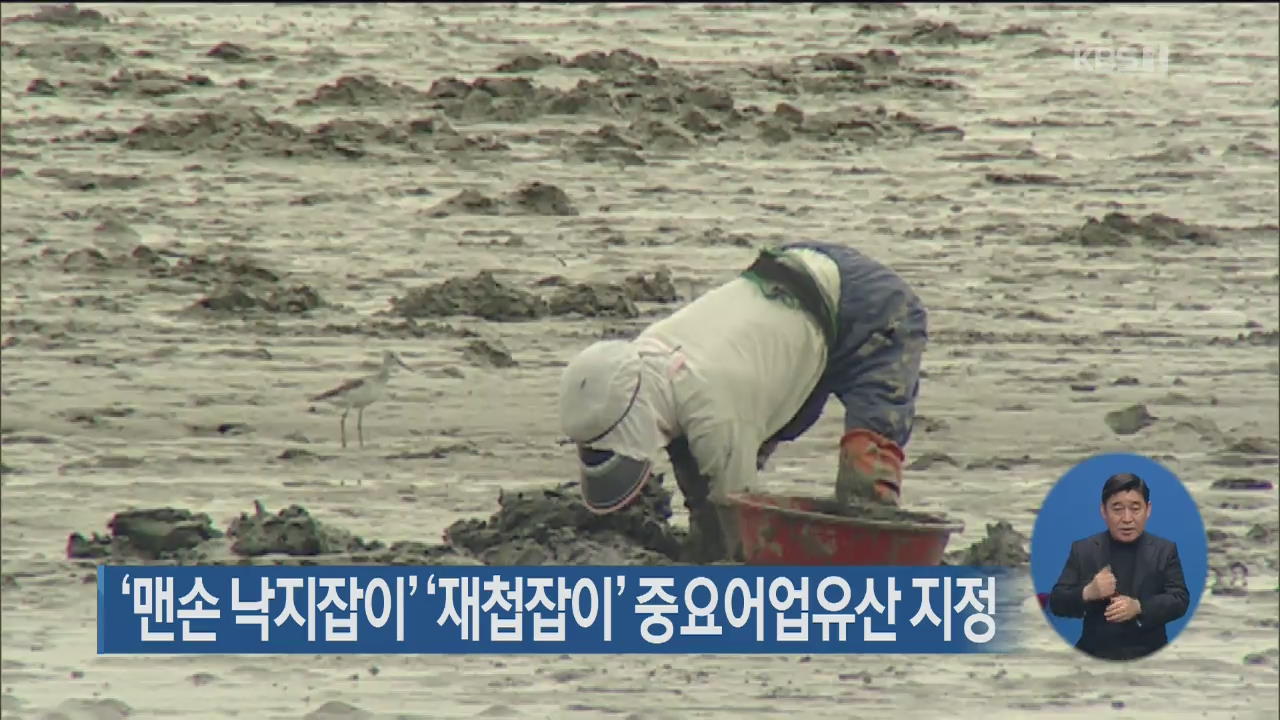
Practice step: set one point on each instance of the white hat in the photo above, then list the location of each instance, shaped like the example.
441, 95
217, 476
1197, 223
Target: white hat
601, 410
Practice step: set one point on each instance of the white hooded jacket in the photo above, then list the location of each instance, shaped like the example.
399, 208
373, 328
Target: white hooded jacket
741, 365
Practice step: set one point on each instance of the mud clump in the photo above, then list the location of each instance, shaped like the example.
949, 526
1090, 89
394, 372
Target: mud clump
64, 15
203, 269
606, 144
151, 534
1253, 337
613, 61
1129, 420
629, 88
41, 86
619, 60
849, 124
658, 289
658, 135
484, 296
875, 70
91, 181
542, 199
530, 63
1241, 483
237, 129
928, 32
1002, 547
200, 269
245, 130
77, 51
238, 285
535, 198
481, 295
358, 91
235, 53
593, 300
553, 527
488, 353
293, 300
149, 83
1120, 230
500, 99
292, 531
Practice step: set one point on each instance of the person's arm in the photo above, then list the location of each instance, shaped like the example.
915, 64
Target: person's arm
1067, 597
693, 484
1172, 601
728, 457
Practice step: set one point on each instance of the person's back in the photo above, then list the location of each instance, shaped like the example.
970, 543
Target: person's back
765, 355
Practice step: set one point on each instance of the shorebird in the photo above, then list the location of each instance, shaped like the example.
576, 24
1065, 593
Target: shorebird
359, 393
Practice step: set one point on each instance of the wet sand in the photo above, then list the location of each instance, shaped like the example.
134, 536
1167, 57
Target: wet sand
212, 213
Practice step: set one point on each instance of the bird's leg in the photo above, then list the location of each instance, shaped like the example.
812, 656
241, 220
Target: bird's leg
360, 425
342, 425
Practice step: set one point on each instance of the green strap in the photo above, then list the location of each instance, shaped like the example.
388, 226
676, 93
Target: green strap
776, 289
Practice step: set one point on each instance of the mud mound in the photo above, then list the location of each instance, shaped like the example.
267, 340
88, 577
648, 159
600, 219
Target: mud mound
175, 536
850, 124
148, 83
484, 296
672, 111
1129, 420
292, 531
66, 15
659, 288
619, 60
488, 353
533, 198
659, 135
633, 98
1002, 547
547, 527
825, 73
552, 527
544, 527
606, 144
78, 51
530, 62
481, 295
72, 180
927, 32
236, 299
493, 99
235, 129
1120, 230
199, 268
234, 53
360, 90
153, 534
235, 284
246, 130
593, 300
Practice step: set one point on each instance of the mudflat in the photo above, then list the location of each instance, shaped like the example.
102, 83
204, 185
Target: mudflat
213, 212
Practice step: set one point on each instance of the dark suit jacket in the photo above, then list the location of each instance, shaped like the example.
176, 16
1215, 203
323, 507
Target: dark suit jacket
1158, 584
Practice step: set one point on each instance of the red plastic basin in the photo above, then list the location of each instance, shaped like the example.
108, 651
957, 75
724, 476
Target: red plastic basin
786, 530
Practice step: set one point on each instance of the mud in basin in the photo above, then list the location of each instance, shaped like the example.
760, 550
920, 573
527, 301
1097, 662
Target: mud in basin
797, 530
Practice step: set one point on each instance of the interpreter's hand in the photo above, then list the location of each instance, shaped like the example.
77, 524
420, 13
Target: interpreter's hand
1102, 586
1123, 609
